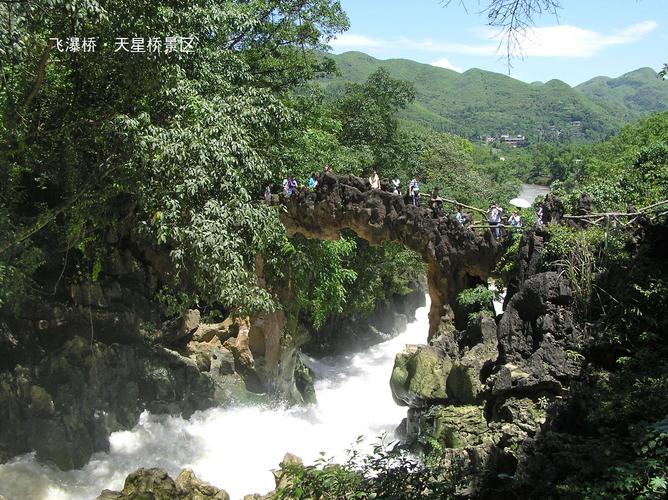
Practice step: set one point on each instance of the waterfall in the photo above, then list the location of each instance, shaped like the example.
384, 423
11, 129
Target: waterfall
236, 448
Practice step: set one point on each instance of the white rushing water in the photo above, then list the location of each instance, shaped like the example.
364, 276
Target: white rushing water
236, 448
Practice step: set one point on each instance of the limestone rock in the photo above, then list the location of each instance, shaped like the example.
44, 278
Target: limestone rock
280, 478
65, 408
467, 377
456, 256
230, 327
196, 489
155, 484
455, 426
240, 348
419, 376
538, 341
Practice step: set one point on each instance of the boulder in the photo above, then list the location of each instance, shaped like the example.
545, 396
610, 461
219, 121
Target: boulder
194, 488
230, 327
240, 348
155, 484
455, 426
468, 374
419, 376
280, 477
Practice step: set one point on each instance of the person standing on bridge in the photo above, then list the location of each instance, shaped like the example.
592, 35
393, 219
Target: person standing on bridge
458, 215
539, 215
395, 185
312, 182
494, 217
292, 185
414, 191
436, 203
374, 180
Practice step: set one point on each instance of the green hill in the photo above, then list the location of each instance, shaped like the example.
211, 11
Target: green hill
640, 91
478, 102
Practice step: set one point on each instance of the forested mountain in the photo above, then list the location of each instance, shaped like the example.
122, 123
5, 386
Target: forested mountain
640, 91
478, 102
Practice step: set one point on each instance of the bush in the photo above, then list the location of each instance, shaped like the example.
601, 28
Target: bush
389, 472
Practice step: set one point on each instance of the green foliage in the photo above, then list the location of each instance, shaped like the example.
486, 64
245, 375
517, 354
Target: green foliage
185, 141
509, 261
389, 471
383, 272
478, 300
368, 113
629, 168
582, 255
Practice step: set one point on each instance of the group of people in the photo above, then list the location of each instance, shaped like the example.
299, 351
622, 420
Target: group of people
413, 192
289, 185
495, 216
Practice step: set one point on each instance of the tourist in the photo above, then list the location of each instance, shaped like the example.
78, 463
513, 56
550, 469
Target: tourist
494, 217
267, 193
414, 191
436, 203
312, 181
374, 180
292, 185
515, 219
286, 186
395, 186
458, 215
539, 215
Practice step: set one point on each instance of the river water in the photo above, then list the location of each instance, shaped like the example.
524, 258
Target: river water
531, 191
236, 448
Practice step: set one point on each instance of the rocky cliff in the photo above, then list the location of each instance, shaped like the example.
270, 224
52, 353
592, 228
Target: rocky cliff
485, 393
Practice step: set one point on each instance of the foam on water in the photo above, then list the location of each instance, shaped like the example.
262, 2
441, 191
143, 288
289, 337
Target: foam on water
236, 448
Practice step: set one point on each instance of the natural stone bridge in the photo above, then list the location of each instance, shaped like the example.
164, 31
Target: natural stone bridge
457, 258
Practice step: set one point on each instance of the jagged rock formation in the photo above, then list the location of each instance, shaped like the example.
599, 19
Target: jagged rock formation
485, 394
156, 484
456, 257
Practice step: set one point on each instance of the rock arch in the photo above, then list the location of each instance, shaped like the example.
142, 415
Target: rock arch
456, 257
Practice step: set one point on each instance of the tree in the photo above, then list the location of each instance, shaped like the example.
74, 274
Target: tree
180, 142
368, 113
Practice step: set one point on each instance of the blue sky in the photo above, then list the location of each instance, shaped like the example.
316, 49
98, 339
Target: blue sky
589, 38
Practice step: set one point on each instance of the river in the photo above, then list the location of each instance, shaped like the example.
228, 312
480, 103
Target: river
531, 191
236, 448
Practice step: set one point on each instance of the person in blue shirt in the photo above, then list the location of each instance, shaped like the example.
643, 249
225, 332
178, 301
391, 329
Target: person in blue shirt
458, 215
312, 182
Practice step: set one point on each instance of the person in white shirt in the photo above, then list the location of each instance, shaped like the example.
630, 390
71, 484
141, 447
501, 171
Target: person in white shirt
374, 180
494, 217
414, 191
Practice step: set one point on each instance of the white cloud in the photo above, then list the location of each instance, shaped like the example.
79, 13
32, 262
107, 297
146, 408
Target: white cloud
571, 41
350, 41
444, 63
354, 41
547, 41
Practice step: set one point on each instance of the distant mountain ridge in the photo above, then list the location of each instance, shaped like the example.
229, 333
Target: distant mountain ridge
640, 91
477, 102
